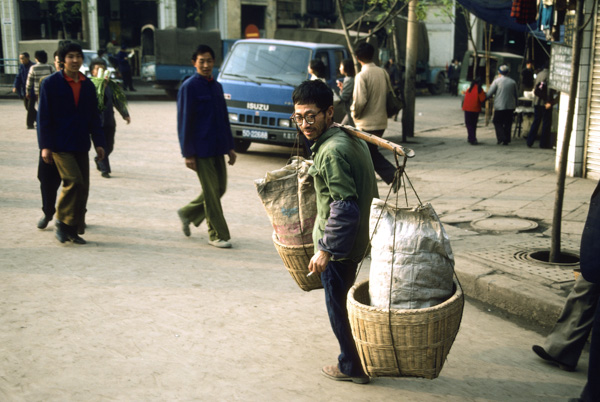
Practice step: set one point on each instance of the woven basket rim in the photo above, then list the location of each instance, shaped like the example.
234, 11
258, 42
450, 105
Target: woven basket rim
457, 294
298, 247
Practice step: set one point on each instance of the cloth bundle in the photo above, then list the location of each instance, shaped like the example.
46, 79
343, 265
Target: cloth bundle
411, 259
289, 197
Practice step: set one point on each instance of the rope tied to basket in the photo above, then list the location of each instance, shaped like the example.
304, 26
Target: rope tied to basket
400, 181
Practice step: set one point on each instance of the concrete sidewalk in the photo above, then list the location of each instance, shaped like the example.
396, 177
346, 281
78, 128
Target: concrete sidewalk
494, 260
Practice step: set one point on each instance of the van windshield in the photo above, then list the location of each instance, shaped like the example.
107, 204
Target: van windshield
268, 63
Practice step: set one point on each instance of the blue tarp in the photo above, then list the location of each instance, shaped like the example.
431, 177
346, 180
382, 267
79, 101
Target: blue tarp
496, 12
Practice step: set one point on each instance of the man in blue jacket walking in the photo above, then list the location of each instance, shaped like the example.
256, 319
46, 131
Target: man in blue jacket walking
67, 115
204, 137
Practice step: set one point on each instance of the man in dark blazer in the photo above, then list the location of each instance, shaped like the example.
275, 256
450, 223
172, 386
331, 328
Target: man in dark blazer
68, 114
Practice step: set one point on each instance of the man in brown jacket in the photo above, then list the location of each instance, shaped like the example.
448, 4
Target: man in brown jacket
368, 109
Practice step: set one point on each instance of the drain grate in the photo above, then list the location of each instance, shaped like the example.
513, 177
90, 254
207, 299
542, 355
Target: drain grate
516, 258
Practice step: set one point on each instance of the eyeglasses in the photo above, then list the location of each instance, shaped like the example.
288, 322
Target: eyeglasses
309, 118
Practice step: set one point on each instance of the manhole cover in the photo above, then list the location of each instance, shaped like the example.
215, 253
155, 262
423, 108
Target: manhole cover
501, 224
467, 216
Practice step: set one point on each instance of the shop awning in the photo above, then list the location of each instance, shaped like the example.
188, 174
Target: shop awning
496, 12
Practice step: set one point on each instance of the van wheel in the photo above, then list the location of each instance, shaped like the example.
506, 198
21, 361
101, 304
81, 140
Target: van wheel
439, 85
241, 146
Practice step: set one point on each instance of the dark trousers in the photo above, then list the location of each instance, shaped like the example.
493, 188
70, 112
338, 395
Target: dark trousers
74, 169
591, 392
503, 124
544, 116
337, 280
49, 183
104, 164
31, 112
471, 119
382, 166
453, 86
127, 79
571, 331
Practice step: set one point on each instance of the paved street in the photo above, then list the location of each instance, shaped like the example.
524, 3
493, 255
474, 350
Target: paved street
142, 313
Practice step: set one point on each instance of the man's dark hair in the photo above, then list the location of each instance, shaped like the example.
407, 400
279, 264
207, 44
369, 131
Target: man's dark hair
201, 49
26, 55
68, 48
41, 56
318, 68
101, 52
60, 64
315, 91
349, 67
97, 62
365, 52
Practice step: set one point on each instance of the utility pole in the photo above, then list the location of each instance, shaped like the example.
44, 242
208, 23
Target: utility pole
410, 73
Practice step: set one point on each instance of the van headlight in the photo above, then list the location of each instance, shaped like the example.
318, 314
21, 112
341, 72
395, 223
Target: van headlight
284, 123
233, 117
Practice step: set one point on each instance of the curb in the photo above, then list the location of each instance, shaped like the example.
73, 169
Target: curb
513, 295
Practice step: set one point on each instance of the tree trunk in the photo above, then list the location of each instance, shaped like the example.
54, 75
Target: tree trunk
564, 153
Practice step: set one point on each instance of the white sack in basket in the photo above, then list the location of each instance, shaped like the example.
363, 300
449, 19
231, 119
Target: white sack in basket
288, 195
423, 263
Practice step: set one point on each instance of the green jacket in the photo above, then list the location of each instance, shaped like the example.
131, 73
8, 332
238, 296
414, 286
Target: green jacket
343, 171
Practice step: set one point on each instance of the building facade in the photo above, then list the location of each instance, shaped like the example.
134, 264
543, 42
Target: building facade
98, 22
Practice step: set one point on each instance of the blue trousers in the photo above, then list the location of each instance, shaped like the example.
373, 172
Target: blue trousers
337, 280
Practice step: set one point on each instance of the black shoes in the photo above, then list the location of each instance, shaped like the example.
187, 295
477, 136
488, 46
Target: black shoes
546, 356
66, 233
106, 175
43, 222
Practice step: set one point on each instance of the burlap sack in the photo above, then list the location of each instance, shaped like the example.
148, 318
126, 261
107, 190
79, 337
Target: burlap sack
288, 195
419, 258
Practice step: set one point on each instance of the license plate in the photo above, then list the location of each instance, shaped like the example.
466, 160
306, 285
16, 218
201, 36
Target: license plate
262, 135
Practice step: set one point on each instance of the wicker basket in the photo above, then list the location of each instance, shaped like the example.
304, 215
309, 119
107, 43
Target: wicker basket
296, 259
421, 337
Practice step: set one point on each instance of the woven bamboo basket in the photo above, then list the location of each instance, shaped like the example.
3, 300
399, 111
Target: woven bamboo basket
405, 343
296, 259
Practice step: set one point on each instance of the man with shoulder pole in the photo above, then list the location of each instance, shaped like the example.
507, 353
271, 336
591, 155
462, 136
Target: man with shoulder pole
345, 185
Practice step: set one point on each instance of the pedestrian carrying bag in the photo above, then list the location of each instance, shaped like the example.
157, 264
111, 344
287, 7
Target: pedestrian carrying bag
393, 103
